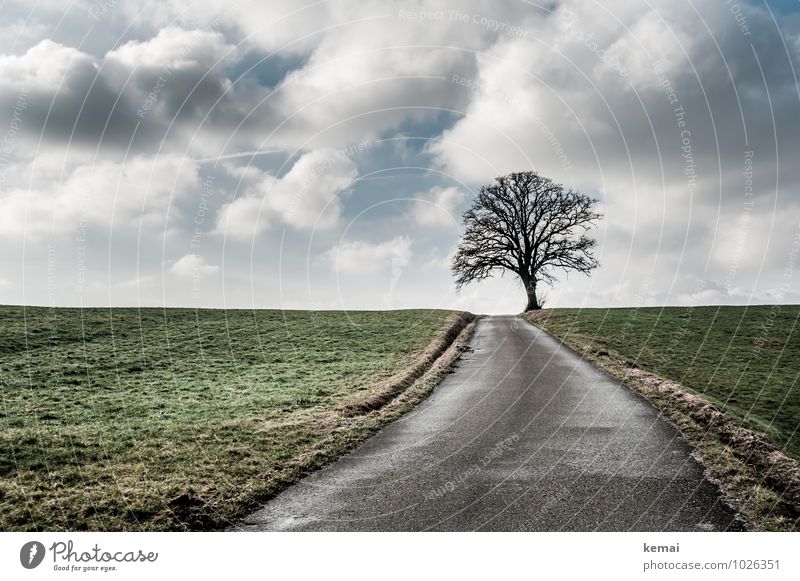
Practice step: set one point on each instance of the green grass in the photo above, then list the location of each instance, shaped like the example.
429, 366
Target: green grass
153, 419
745, 359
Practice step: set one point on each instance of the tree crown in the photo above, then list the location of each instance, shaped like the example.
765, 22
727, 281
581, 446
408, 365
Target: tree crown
528, 224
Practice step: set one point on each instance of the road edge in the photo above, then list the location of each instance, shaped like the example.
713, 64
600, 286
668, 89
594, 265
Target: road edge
757, 478
384, 392
350, 425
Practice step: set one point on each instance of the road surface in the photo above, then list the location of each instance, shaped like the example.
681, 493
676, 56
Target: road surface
523, 436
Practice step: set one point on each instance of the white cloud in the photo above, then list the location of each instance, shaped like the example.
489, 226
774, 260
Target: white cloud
278, 24
191, 265
308, 196
242, 219
126, 194
44, 66
360, 257
172, 47
437, 206
141, 282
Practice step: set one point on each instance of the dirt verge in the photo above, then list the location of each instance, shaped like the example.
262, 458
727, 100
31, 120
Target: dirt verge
349, 424
382, 393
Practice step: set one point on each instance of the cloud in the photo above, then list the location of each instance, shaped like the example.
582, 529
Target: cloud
307, 196
178, 73
360, 257
242, 219
131, 194
44, 66
114, 111
172, 48
284, 25
21, 33
438, 261
128, 98
140, 282
66, 98
556, 104
354, 79
192, 265
437, 206
364, 69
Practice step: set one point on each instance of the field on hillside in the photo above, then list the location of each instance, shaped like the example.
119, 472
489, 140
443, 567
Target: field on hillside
127, 419
745, 359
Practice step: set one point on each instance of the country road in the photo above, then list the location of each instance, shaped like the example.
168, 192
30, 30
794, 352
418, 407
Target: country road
523, 436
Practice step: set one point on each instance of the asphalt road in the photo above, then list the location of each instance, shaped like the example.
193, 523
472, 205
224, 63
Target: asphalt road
523, 436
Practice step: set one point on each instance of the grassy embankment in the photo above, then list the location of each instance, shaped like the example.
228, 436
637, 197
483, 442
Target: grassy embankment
744, 361
178, 419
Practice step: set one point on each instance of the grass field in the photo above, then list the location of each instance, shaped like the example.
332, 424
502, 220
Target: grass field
745, 359
128, 419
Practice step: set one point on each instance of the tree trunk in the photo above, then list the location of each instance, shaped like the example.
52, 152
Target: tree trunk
533, 301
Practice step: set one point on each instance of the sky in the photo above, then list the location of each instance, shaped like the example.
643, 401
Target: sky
320, 154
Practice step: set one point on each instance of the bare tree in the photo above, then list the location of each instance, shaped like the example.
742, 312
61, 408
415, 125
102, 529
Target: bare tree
529, 225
